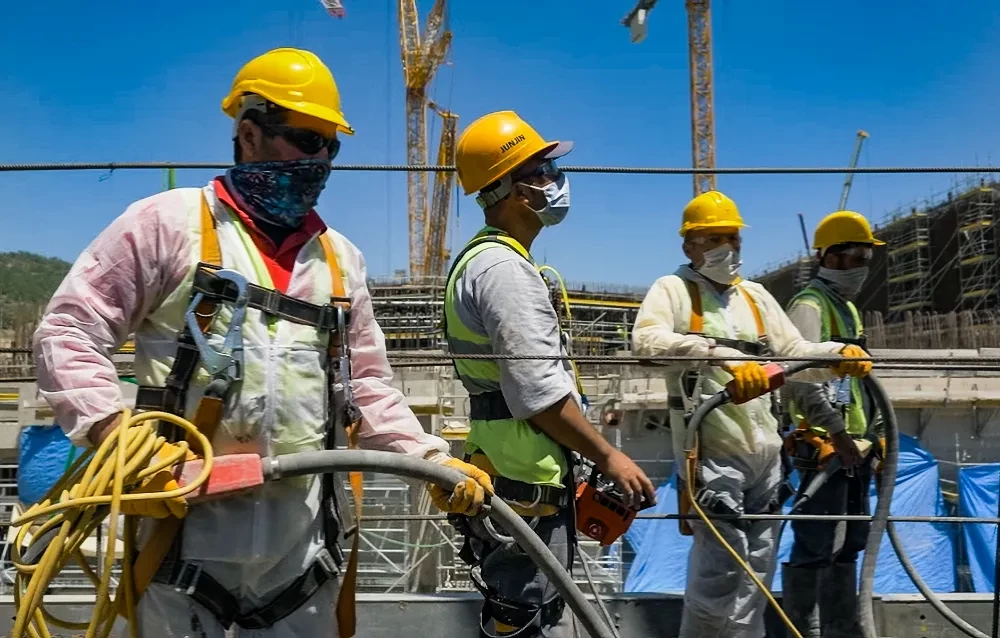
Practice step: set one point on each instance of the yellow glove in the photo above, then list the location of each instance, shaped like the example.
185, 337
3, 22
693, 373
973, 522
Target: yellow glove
857, 369
750, 380
162, 481
468, 496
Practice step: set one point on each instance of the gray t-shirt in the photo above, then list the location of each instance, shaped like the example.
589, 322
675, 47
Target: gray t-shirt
500, 294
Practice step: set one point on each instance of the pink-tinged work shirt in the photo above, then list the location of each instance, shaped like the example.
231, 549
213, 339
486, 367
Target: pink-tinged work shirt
131, 268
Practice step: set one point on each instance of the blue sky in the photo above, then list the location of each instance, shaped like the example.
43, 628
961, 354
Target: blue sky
125, 81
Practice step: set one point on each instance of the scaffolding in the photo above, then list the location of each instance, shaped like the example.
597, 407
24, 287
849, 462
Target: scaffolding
909, 263
977, 251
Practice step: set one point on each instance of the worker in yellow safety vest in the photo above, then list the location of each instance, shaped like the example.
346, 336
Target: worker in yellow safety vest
526, 416
252, 319
705, 309
823, 563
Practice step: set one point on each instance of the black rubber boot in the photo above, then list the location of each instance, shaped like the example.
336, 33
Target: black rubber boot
798, 595
838, 601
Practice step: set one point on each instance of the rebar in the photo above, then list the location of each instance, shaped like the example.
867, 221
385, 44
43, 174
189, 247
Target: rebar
637, 170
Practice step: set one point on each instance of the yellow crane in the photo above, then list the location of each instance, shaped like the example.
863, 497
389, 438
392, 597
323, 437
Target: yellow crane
422, 55
700, 71
436, 254
702, 92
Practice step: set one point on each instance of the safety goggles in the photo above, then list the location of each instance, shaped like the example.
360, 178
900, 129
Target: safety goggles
309, 142
547, 170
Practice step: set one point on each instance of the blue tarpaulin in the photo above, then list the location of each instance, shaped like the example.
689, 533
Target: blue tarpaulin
977, 496
660, 563
44, 452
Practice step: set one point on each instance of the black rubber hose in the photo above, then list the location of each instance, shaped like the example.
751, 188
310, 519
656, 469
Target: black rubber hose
288, 465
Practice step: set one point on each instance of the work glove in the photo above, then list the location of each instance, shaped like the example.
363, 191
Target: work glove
856, 369
468, 496
162, 481
750, 380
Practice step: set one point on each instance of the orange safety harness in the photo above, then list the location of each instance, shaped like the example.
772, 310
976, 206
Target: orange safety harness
696, 326
160, 559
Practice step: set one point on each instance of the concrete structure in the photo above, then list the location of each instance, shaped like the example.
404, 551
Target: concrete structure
940, 258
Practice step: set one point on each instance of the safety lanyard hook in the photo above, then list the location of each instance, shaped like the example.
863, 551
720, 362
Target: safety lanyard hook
229, 360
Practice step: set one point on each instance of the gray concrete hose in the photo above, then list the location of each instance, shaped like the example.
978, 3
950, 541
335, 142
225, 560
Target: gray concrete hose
288, 465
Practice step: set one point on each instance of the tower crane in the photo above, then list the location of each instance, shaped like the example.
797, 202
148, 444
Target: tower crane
435, 253
422, 55
850, 175
700, 71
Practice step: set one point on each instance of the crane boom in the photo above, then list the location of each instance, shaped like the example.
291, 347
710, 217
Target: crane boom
421, 58
435, 253
850, 175
702, 98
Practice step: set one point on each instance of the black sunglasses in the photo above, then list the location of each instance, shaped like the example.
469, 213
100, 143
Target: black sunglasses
309, 142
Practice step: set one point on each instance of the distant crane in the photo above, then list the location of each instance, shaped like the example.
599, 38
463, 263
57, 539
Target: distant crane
421, 58
850, 175
701, 89
436, 255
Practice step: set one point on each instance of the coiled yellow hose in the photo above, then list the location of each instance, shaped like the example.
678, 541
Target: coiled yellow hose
93, 488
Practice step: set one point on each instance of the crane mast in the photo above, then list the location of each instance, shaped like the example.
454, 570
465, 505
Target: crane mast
422, 55
436, 253
702, 98
850, 175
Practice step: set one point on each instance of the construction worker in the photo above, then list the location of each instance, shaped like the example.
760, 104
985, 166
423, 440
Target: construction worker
822, 565
267, 561
526, 414
705, 309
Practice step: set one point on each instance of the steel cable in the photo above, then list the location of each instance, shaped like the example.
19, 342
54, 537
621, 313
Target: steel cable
635, 170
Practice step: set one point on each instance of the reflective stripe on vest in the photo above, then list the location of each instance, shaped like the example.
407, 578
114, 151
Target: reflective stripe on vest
516, 448
833, 325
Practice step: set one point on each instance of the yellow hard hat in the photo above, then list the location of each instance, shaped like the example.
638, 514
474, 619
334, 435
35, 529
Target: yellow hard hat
497, 143
843, 227
710, 210
294, 79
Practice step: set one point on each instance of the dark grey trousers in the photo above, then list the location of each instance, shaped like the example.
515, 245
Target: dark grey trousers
823, 543
512, 574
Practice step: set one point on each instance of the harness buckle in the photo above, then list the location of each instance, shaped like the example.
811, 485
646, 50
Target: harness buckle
271, 302
187, 578
351, 410
327, 562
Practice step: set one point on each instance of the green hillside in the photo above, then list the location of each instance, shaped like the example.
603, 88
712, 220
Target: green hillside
27, 281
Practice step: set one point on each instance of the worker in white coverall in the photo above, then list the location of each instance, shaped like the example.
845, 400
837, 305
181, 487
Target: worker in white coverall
705, 309
258, 562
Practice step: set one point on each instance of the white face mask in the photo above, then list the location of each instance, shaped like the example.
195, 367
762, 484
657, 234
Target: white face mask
846, 282
722, 264
556, 200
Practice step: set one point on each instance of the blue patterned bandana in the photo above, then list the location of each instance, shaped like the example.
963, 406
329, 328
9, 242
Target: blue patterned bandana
280, 192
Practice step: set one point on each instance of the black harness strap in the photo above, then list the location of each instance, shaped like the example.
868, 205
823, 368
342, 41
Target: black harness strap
189, 579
